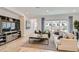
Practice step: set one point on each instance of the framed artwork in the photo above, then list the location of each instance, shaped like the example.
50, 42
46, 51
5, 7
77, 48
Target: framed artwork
28, 24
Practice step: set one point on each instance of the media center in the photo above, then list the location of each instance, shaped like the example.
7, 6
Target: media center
9, 29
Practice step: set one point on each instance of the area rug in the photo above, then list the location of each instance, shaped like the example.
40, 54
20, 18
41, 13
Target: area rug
50, 46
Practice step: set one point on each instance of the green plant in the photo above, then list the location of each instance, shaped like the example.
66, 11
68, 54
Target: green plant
76, 24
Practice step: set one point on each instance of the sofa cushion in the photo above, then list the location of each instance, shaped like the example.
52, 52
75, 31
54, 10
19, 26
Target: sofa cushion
60, 37
70, 36
56, 33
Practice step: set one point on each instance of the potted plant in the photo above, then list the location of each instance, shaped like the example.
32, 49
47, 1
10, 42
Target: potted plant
76, 26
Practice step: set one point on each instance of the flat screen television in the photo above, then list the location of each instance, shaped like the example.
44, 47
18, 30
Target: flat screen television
4, 25
8, 28
12, 26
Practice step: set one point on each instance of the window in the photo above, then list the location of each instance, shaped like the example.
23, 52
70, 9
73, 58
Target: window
56, 24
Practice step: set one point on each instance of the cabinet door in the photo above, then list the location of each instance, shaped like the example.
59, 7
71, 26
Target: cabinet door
9, 38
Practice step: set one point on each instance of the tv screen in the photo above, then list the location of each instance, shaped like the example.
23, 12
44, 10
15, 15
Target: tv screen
4, 25
8, 25
12, 26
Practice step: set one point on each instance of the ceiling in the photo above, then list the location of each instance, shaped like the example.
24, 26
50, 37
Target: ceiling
45, 10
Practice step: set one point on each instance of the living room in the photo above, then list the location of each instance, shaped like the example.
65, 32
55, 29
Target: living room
43, 29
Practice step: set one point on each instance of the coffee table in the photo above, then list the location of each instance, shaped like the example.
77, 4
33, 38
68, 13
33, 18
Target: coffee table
38, 39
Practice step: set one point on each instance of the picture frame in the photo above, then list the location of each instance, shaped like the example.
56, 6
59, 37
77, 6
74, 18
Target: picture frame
28, 24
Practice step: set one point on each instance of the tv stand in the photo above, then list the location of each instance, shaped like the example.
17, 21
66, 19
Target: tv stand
8, 34
2, 39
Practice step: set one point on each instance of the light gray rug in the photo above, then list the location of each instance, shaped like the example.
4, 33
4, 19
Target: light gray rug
50, 46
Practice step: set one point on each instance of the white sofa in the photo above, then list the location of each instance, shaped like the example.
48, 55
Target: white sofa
66, 44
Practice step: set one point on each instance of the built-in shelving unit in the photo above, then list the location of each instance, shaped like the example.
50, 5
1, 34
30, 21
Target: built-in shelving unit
9, 29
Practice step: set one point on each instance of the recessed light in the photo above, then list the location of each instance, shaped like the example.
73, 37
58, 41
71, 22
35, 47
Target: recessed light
47, 11
37, 7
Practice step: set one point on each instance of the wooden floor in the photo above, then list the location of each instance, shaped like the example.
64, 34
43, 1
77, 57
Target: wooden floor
16, 46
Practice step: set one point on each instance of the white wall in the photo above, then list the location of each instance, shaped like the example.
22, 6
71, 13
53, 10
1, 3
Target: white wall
29, 32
